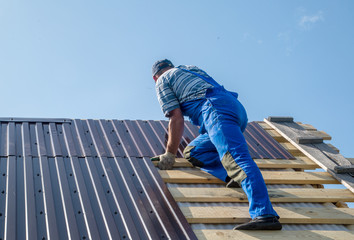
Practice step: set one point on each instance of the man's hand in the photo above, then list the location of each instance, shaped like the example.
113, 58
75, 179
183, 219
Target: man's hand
166, 161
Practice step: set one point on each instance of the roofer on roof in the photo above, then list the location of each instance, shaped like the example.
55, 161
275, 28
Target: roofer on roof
221, 148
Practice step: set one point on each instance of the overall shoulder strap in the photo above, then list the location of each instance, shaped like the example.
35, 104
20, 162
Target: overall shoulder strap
209, 79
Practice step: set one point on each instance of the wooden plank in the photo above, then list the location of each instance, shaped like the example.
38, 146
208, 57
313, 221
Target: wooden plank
320, 153
322, 134
261, 163
288, 215
284, 163
188, 176
308, 127
222, 234
180, 163
265, 126
190, 194
306, 160
270, 177
290, 148
274, 134
333, 147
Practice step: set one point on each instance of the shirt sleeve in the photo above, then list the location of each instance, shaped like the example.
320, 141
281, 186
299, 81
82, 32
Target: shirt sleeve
166, 97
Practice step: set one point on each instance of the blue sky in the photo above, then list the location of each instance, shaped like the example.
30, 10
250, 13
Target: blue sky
92, 59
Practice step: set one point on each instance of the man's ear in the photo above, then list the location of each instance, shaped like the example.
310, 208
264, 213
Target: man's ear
155, 78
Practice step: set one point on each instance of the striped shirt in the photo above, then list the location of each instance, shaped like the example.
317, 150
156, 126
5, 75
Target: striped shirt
176, 86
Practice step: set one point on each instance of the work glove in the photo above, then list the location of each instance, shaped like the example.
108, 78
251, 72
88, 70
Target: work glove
166, 160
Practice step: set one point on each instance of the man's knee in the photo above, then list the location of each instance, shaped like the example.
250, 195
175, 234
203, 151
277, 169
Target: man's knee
234, 171
187, 153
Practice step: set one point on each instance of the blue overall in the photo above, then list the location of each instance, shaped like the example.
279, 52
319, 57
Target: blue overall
221, 148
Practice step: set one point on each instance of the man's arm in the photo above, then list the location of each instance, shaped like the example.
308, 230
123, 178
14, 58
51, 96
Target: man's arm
175, 130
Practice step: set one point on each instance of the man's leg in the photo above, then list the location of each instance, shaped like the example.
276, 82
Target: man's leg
225, 133
241, 167
202, 153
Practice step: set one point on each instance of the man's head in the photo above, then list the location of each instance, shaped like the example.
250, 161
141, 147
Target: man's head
160, 67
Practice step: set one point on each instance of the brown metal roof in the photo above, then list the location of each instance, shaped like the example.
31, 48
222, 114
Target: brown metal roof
261, 145
111, 138
83, 179
93, 179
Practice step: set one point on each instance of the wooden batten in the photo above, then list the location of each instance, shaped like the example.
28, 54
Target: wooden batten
303, 163
221, 234
288, 215
270, 177
191, 194
320, 153
291, 148
307, 127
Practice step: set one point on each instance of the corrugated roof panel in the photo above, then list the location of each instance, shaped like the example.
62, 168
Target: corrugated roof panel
262, 145
137, 138
109, 138
155, 146
92, 198
85, 145
74, 179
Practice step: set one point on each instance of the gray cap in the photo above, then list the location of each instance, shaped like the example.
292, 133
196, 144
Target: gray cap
161, 64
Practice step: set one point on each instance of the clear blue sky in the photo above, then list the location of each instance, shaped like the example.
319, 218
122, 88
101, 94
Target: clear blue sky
92, 59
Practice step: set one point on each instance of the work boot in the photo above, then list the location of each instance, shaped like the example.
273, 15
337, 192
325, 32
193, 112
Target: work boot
232, 184
261, 223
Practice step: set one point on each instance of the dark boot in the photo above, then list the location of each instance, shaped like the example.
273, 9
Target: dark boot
261, 223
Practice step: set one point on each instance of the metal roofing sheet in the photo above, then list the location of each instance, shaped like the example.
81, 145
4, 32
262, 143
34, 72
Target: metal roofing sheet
93, 179
86, 198
82, 179
262, 145
111, 138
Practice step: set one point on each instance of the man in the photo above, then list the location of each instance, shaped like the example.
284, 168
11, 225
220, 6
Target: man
220, 149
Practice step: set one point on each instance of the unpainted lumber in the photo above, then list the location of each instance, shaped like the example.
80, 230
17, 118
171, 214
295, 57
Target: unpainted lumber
285, 163
318, 134
307, 160
322, 134
270, 177
265, 126
222, 234
291, 148
307, 127
290, 195
334, 148
274, 134
320, 153
288, 215
261, 163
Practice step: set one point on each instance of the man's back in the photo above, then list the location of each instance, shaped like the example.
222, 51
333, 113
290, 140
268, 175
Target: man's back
176, 86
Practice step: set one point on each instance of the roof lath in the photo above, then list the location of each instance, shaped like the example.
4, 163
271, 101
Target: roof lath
314, 148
